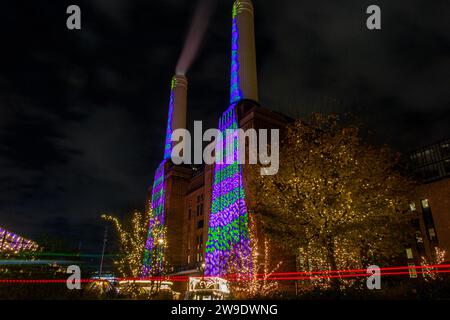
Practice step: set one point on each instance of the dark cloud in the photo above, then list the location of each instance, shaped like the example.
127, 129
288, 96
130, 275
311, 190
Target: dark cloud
83, 113
324, 59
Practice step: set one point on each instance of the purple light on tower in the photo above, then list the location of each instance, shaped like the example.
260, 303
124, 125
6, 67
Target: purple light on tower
153, 252
228, 229
228, 232
235, 90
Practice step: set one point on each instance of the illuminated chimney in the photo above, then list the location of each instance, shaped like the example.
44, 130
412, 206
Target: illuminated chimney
177, 110
244, 82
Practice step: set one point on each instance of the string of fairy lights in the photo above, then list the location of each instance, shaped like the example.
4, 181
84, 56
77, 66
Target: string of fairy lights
13, 243
255, 279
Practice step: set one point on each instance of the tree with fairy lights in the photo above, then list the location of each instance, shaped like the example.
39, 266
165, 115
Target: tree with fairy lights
336, 202
132, 238
430, 273
252, 280
156, 266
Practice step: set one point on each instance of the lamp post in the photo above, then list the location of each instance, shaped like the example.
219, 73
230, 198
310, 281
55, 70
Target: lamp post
103, 252
202, 270
160, 254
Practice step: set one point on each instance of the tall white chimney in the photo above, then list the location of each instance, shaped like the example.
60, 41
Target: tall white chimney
179, 89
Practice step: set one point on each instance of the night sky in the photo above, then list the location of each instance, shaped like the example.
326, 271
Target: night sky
83, 113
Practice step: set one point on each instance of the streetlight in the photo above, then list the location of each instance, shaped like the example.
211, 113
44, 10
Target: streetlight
160, 252
201, 268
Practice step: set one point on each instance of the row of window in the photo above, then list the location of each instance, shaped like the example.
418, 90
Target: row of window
433, 162
428, 221
199, 242
198, 257
423, 203
434, 171
430, 230
432, 154
199, 207
198, 213
198, 247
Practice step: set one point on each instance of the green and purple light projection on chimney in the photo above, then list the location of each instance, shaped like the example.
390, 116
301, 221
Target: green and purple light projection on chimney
228, 232
153, 254
235, 90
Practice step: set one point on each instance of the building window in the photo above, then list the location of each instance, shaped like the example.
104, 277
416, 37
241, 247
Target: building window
200, 241
432, 234
189, 214
412, 206
431, 163
412, 270
447, 166
189, 258
430, 155
445, 149
409, 253
200, 224
425, 204
419, 238
199, 205
430, 172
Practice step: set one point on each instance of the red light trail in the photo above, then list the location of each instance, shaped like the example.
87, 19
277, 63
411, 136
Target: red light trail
279, 276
